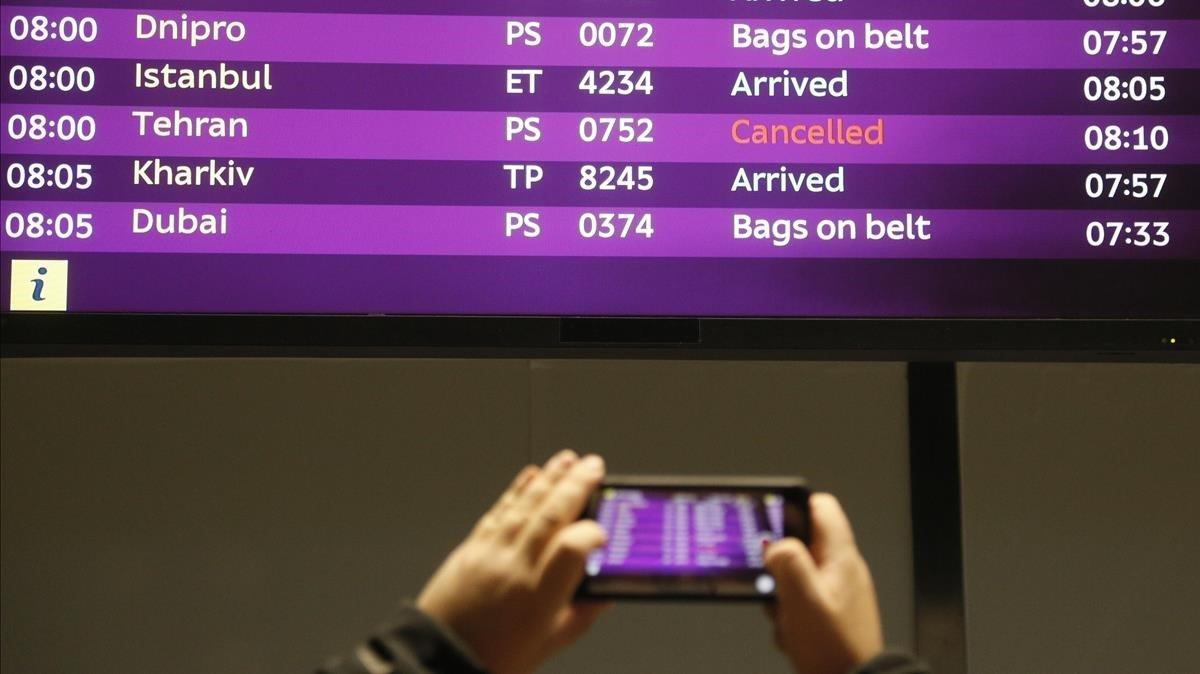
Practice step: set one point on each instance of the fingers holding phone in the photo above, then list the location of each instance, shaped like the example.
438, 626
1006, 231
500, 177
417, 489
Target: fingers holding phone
827, 616
506, 590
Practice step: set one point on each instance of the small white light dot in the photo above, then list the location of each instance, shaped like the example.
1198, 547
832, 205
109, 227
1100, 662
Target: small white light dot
764, 584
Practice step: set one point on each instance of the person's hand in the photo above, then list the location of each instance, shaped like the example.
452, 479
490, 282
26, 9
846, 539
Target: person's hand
826, 617
506, 590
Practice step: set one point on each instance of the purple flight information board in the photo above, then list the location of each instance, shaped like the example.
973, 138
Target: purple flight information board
723, 158
673, 533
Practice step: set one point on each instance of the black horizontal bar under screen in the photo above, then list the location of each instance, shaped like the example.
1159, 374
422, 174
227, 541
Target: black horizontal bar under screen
566, 337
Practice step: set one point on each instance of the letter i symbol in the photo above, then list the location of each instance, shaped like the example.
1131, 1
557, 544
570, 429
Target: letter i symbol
38, 284
49, 280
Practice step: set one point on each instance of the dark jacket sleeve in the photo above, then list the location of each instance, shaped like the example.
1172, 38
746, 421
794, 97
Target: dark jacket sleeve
893, 663
412, 644
416, 644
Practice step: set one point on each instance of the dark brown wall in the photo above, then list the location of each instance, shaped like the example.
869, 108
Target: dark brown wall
257, 516
1081, 505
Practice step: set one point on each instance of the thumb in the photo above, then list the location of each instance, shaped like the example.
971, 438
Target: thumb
795, 572
564, 562
832, 535
575, 620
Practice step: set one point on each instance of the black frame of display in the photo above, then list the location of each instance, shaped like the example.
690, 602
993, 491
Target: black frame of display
935, 497
30, 334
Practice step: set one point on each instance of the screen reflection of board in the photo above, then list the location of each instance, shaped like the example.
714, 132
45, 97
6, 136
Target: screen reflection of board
691, 537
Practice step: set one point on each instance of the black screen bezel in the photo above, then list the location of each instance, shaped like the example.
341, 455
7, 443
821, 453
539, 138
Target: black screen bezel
34, 335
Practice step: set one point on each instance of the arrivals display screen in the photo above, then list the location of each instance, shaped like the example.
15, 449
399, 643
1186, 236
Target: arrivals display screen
1013, 159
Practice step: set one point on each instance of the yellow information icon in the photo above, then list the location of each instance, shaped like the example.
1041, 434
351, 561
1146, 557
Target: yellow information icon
38, 285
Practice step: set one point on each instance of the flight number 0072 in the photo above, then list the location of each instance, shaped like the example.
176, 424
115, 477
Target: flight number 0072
616, 34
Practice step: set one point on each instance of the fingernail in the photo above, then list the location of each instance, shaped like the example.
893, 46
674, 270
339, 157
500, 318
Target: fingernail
593, 464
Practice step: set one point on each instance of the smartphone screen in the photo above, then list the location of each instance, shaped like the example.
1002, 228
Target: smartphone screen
703, 540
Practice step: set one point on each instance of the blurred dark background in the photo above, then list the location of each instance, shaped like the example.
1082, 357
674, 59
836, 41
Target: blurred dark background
220, 516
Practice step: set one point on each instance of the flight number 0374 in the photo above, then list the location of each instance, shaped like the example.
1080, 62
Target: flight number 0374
616, 225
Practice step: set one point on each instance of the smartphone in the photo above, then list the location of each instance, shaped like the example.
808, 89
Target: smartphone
691, 537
